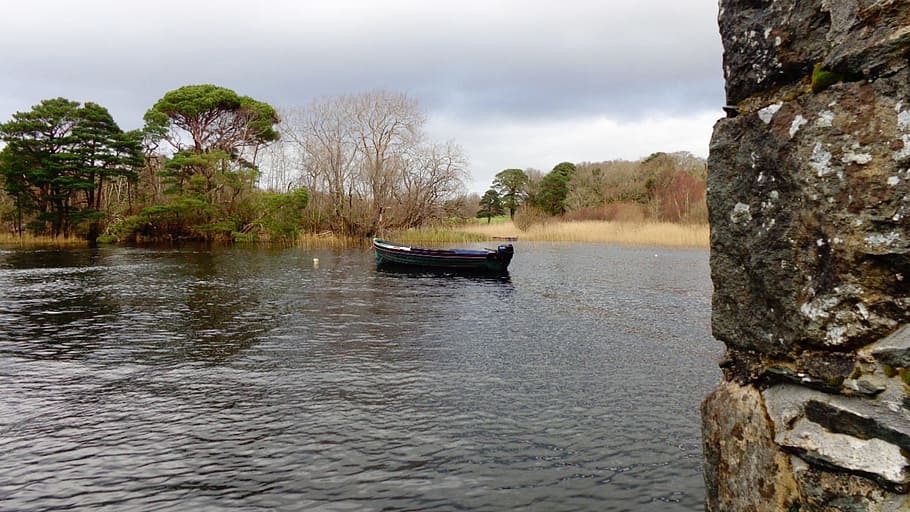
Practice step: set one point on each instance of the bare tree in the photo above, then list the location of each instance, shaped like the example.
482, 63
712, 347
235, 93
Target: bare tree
326, 155
436, 175
367, 164
386, 126
280, 166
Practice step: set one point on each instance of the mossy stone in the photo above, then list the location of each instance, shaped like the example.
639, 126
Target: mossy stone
823, 78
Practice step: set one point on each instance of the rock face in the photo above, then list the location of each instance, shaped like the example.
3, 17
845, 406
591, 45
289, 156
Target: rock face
809, 201
750, 473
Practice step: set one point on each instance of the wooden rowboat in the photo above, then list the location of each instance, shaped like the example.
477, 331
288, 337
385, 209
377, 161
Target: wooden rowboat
486, 260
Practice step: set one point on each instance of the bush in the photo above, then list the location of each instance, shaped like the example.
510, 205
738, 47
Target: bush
527, 216
619, 212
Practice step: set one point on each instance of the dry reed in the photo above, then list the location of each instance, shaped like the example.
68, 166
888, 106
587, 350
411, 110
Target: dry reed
329, 240
27, 240
627, 233
664, 234
437, 235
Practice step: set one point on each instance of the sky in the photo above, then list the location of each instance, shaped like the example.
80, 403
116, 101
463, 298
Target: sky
521, 84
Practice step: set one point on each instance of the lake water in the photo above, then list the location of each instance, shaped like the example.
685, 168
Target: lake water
248, 379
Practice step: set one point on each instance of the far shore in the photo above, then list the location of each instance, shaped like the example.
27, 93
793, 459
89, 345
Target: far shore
663, 234
659, 234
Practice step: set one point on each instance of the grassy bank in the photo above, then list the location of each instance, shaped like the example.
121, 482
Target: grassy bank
454, 235
26, 240
627, 233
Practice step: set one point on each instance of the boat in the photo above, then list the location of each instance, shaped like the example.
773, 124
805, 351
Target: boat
470, 260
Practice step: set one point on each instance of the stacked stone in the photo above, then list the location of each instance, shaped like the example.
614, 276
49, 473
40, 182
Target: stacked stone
809, 200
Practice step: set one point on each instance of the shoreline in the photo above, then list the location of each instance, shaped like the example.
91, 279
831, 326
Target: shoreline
662, 234
657, 234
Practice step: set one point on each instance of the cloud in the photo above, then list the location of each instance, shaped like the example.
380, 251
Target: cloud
553, 73
520, 57
500, 144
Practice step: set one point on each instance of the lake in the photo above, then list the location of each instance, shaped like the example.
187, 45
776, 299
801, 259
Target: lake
252, 379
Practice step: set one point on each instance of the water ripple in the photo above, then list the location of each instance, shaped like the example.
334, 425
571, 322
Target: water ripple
147, 379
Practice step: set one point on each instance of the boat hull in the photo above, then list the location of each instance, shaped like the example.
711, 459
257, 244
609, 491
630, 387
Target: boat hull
488, 260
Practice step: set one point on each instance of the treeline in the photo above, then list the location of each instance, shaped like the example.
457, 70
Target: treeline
668, 187
210, 164
190, 173
368, 165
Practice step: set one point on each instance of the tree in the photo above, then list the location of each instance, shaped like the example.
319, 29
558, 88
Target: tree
675, 186
586, 188
553, 189
321, 138
433, 175
214, 118
274, 216
105, 153
215, 135
14, 170
490, 205
57, 159
206, 119
511, 184
677, 195
385, 126
369, 164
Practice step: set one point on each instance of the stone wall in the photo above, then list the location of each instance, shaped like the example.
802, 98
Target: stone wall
809, 200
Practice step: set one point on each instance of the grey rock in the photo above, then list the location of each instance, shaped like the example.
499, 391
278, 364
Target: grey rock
821, 261
744, 469
809, 204
894, 350
864, 437
830, 491
768, 45
782, 374
862, 387
868, 37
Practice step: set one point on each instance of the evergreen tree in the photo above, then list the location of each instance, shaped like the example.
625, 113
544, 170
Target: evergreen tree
490, 205
215, 135
554, 188
511, 185
56, 161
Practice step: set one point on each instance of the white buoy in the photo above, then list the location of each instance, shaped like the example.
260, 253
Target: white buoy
315, 262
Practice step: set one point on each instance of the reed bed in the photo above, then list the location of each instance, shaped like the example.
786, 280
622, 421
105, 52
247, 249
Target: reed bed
627, 233
329, 240
436, 235
664, 234
26, 240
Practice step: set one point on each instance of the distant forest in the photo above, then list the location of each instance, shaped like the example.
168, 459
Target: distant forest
212, 165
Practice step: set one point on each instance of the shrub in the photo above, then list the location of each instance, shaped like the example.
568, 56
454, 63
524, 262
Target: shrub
527, 216
619, 212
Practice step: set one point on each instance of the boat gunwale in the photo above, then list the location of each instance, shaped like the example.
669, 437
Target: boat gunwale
404, 249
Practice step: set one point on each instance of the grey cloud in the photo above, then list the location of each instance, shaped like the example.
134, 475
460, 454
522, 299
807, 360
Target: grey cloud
524, 59
528, 65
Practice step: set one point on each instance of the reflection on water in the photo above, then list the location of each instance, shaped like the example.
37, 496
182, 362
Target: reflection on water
137, 379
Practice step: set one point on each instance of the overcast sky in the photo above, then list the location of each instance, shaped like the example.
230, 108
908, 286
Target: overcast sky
516, 83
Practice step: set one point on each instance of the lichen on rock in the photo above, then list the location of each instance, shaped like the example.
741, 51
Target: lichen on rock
809, 196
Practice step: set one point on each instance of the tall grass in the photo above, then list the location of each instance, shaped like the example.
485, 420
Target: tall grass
27, 240
627, 233
437, 235
329, 240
